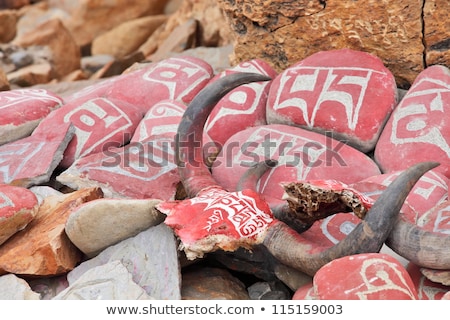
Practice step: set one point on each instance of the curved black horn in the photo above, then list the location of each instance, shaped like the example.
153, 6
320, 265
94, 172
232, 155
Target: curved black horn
193, 171
368, 236
423, 248
250, 178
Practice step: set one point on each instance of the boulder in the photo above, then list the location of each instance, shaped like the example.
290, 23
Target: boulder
8, 28
15, 288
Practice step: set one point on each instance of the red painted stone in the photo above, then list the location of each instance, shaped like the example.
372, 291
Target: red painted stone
21, 111
430, 190
367, 276
18, 206
437, 219
178, 78
217, 219
305, 292
426, 289
301, 155
161, 119
241, 108
419, 128
348, 93
32, 160
140, 170
99, 124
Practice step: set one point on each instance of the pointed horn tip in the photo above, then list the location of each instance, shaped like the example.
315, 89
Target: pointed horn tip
271, 163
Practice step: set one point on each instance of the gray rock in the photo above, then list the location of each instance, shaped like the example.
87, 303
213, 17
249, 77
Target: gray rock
151, 257
110, 281
15, 288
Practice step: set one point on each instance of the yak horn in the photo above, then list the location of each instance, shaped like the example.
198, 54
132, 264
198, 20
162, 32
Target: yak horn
424, 248
250, 178
369, 235
194, 173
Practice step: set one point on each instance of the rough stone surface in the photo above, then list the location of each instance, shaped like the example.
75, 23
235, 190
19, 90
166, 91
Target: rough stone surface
151, 257
8, 21
426, 289
110, 281
4, 83
98, 224
301, 155
266, 29
42, 248
18, 159
212, 284
368, 276
21, 111
31, 75
18, 206
15, 288
437, 32
349, 94
419, 122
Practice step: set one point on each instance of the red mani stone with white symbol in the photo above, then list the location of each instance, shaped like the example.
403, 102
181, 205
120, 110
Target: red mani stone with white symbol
301, 155
367, 276
419, 128
241, 108
426, 289
177, 78
21, 111
348, 93
99, 123
18, 206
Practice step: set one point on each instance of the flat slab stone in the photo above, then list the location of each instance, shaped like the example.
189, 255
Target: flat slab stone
151, 257
99, 123
32, 160
98, 224
367, 276
21, 111
345, 92
18, 206
419, 122
43, 248
110, 281
301, 155
243, 107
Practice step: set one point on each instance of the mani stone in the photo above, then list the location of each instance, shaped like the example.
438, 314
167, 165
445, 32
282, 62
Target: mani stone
21, 110
367, 276
18, 206
301, 155
348, 94
418, 129
284, 33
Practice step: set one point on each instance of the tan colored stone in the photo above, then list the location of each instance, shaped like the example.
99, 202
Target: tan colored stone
31, 75
65, 52
43, 248
13, 4
90, 18
127, 37
8, 22
4, 83
294, 30
437, 32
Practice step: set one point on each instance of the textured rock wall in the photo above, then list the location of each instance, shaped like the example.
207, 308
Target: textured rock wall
407, 35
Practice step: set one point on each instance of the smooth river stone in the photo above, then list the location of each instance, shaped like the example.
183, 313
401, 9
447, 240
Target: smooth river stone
301, 155
347, 93
21, 111
367, 276
419, 128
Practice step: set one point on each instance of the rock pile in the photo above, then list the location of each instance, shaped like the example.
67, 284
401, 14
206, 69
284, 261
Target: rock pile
90, 187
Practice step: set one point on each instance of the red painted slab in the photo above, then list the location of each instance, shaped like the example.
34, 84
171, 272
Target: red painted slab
437, 219
99, 123
426, 289
31, 160
368, 276
346, 92
178, 78
301, 155
419, 128
241, 108
22, 109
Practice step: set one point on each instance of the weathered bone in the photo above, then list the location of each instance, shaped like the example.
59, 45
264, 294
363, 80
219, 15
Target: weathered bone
189, 154
368, 236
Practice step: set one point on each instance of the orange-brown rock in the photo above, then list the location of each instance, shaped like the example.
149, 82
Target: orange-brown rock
65, 52
31, 75
90, 18
4, 83
43, 248
127, 37
13, 4
283, 33
437, 32
8, 21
